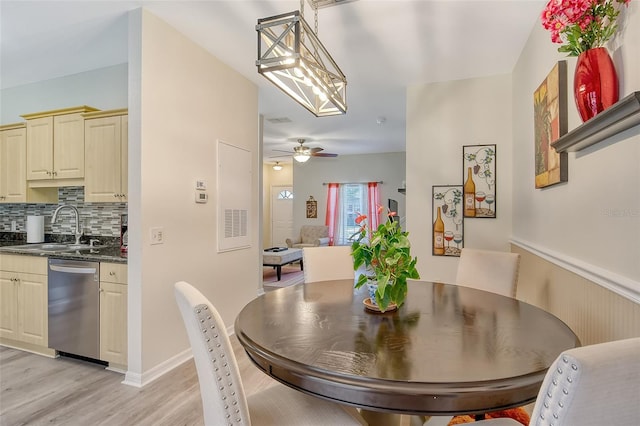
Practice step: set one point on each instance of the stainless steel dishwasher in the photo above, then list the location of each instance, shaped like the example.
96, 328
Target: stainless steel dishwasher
74, 307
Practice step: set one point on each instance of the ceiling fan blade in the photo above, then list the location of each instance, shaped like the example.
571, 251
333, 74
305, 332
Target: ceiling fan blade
318, 149
323, 154
280, 156
281, 150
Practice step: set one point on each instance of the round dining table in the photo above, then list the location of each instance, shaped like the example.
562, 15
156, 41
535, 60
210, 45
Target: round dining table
448, 350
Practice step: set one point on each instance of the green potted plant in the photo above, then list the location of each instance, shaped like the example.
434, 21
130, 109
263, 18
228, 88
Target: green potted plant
386, 254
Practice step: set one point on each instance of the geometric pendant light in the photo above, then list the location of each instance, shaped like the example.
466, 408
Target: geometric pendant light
292, 57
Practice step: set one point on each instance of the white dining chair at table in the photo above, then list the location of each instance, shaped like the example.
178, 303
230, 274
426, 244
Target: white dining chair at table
327, 263
592, 385
488, 270
223, 398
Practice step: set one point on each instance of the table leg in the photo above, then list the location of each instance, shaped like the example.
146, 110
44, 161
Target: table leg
278, 271
376, 418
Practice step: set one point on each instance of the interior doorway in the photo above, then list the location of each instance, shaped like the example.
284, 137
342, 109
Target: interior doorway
281, 214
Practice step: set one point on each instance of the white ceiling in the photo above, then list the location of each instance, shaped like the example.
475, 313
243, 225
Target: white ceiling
382, 46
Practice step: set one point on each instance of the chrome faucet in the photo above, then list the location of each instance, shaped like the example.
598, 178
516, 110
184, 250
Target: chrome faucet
78, 231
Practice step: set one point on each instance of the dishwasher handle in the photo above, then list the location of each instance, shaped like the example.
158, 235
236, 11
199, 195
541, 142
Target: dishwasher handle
72, 269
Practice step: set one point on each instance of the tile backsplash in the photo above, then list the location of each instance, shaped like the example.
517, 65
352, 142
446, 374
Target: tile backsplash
97, 219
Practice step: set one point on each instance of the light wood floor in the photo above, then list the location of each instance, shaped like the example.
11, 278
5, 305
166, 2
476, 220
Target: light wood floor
37, 390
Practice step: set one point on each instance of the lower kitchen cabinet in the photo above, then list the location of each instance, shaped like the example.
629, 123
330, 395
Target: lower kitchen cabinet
113, 313
23, 301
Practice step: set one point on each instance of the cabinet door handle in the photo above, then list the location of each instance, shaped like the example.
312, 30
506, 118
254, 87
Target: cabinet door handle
112, 273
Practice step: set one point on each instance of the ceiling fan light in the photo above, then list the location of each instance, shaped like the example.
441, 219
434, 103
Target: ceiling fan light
277, 166
301, 157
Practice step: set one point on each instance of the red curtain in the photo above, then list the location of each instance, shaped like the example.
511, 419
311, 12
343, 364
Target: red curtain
374, 209
332, 210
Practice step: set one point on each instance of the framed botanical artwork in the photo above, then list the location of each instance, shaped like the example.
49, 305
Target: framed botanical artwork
550, 122
448, 226
479, 177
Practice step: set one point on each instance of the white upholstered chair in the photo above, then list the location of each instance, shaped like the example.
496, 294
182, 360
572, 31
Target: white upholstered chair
310, 236
223, 398
493, 271
592, 385
327, 263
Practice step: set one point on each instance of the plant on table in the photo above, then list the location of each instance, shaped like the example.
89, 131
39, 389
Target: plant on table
581, 24
386, 254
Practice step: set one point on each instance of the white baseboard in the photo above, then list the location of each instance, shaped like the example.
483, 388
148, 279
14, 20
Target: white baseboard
623, 286
141, 380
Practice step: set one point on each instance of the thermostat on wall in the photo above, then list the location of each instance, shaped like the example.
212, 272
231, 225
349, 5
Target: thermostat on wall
202, 197
201, 185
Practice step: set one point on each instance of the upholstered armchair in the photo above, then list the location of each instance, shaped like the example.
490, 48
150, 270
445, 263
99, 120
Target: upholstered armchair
310, 236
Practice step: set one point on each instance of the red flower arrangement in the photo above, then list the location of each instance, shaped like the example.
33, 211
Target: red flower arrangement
581, 24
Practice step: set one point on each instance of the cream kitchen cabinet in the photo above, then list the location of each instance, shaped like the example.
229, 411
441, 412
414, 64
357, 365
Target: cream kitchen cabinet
23, 302
13, 168
106, 154
13, 151
113, 314
55, 147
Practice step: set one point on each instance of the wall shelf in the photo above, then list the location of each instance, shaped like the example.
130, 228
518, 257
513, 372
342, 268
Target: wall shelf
621, 116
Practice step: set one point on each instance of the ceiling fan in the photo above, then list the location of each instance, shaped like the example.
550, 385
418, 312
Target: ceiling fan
302, 153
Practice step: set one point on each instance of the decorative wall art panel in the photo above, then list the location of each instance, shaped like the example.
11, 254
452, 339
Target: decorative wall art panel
312, 208
448, 226
479, 177
550, 122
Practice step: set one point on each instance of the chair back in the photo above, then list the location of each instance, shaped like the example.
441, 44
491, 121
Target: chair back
592, 385
327, 263
493, 271
221, 390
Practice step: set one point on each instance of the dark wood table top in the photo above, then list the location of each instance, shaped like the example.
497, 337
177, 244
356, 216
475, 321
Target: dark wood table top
448, 350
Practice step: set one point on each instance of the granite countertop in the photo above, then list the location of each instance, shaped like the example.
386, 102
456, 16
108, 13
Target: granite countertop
106, 253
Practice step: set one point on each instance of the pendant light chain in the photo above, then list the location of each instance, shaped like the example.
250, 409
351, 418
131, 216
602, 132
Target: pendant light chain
314, 6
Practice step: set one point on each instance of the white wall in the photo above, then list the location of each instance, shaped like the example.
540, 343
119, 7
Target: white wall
441, 118
182, 101
592, 222
104, 88
310, 176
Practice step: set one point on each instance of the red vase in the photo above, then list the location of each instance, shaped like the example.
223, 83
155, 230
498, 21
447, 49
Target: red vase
595, 82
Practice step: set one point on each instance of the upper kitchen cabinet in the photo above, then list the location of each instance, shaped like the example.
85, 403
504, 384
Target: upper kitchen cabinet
13, 168
106, 154
55, 147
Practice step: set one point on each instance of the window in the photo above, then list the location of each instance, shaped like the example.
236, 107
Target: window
353, 202
285, 195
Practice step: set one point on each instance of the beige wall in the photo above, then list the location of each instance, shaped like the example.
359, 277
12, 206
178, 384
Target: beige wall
579, 240
441, 118
592, 222
182, 100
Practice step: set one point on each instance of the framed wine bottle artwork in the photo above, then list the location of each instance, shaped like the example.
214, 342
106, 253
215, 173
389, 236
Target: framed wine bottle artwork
479, 177
448, 226
550, 122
